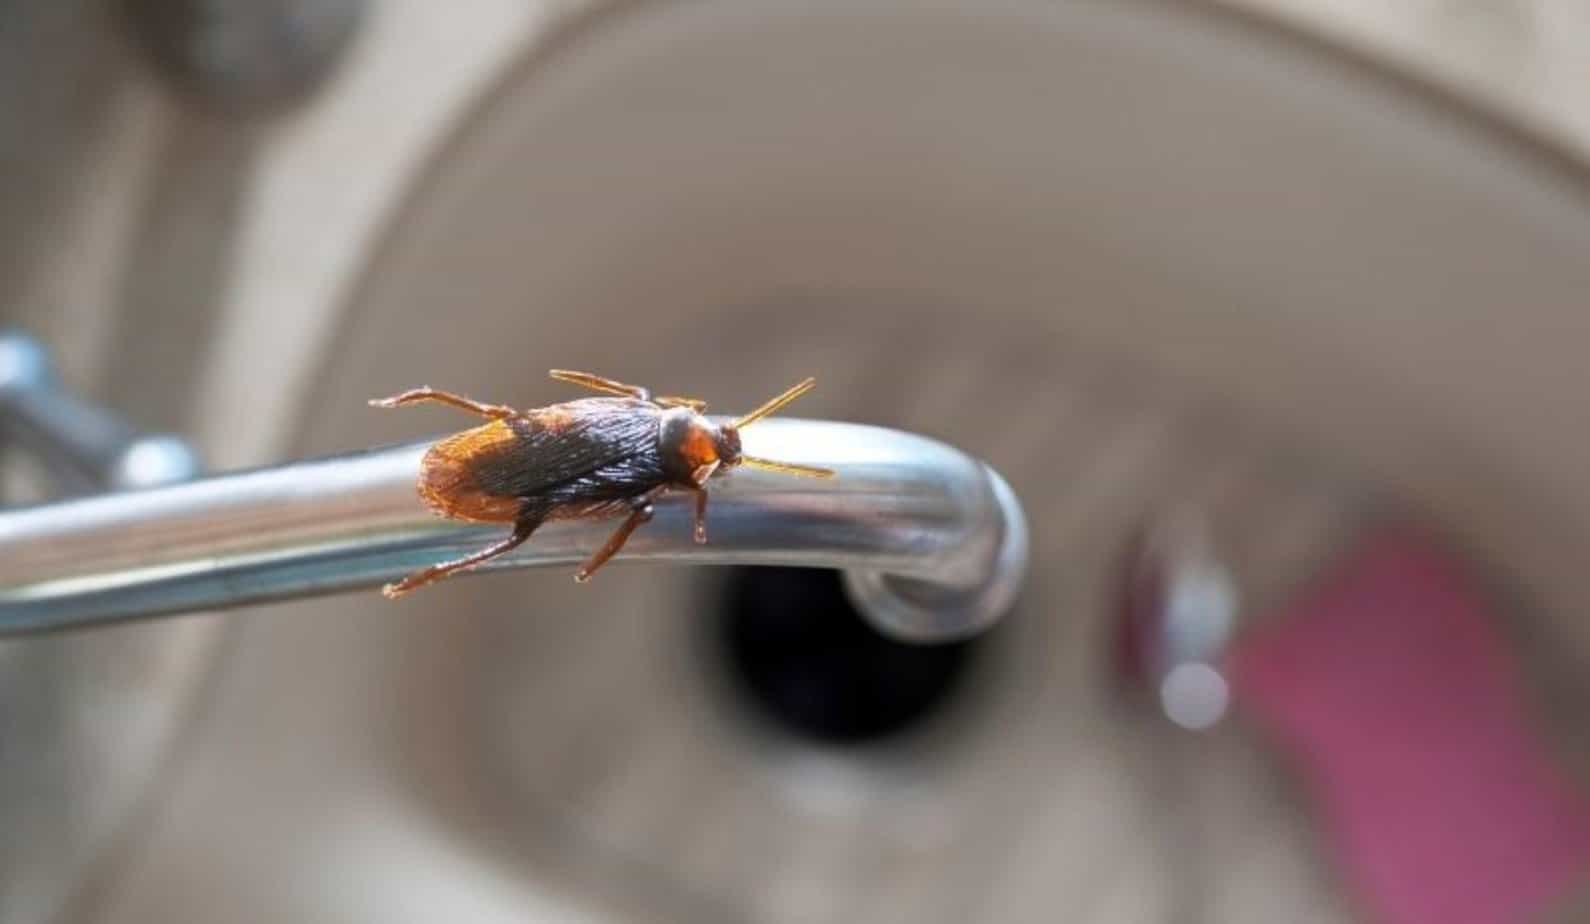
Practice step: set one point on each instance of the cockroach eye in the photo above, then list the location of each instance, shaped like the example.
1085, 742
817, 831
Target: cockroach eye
729, 444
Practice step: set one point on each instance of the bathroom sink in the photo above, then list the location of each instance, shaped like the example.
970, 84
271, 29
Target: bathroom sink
1143, 258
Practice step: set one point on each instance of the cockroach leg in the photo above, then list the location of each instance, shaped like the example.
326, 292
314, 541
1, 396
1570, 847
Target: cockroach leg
597, 383
420, 395
521, 532
695, 404
701, 515
608, 386
642, 513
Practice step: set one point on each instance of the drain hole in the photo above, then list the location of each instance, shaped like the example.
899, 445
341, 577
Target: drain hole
803, 656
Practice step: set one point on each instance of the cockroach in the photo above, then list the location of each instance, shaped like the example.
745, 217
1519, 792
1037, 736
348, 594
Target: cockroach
588, 458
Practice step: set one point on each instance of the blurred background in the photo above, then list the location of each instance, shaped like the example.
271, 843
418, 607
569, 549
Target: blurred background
1272, 312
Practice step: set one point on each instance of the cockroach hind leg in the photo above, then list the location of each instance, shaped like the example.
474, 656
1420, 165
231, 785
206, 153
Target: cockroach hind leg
415, 581
406, 586
434, 573
427, 393
642, 514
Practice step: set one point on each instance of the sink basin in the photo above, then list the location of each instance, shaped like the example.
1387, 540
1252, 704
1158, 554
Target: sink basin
1141, 257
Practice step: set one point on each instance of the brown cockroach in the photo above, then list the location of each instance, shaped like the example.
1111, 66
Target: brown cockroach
594, 457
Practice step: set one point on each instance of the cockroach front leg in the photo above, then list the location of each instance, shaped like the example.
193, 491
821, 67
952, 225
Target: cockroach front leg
420, 395
521, 532
701, 514
641, 512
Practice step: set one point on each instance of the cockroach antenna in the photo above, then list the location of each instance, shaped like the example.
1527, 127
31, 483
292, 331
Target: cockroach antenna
771, 407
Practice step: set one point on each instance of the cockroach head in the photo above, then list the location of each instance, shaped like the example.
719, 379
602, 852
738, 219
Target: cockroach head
694, 447
727, 440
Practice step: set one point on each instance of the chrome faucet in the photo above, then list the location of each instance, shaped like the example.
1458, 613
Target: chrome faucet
933, 543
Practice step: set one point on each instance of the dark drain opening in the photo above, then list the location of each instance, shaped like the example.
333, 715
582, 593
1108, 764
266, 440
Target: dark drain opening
806, 659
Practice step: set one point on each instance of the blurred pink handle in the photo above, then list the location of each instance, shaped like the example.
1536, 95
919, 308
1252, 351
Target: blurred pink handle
1399, 704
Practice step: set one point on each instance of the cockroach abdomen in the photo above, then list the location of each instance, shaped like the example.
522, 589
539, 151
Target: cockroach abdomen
449, 482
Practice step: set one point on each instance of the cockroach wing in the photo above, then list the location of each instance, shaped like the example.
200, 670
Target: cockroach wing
553, 446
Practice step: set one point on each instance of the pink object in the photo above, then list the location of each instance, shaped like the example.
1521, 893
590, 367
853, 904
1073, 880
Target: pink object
1399, 702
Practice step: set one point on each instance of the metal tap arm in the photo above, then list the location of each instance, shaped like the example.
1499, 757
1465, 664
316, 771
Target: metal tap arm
933, 542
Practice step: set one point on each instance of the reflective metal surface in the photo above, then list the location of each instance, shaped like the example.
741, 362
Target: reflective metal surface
1180, 607
89, 723
244, 58
84, 447
936, 540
